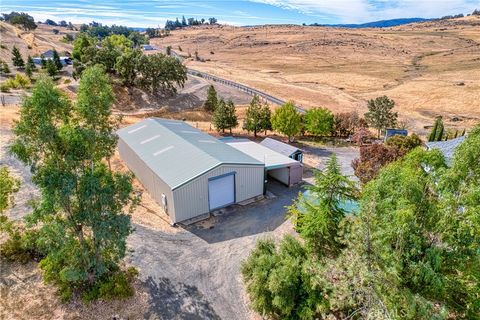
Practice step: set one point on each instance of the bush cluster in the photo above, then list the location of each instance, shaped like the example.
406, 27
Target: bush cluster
19, 82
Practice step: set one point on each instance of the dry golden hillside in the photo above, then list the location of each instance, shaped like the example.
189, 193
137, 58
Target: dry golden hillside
428, 68
31, 42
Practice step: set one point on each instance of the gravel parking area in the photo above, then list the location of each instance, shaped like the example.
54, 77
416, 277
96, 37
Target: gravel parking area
317, 157
195, 273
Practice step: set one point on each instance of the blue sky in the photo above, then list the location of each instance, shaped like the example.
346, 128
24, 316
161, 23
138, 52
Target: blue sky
142, 13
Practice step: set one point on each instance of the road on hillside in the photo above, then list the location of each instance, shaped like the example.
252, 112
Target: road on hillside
241, 87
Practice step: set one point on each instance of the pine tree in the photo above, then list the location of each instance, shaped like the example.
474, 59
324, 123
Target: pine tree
51, 68
380, 115
440, 131
31, 63
437, 130
56, 60
220, 116
28, 71
433, 133
4, 69
253, 118
43, 61
17, 58
212, 99
224, 116
266, 118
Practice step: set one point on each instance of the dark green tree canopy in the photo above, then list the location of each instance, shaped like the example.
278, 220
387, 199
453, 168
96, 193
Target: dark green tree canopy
83, 216
212, 99
411, 252
437, 132
22, 19
17, 59
224, 116
31, 64
258, 117
380, 115
56, 60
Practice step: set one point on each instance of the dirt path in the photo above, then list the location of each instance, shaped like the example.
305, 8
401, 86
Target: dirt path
198, 269
28, 191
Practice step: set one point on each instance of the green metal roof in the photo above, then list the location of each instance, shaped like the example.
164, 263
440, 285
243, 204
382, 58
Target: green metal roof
178, 152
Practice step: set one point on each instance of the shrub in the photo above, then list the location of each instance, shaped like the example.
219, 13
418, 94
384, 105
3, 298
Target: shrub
4, 69
67, 81
362, 136
21, 81
115, 286
68, 38
4, 87
318, 121
20, 245
346, 123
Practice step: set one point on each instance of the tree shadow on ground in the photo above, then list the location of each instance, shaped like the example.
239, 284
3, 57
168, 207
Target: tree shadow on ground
169, 300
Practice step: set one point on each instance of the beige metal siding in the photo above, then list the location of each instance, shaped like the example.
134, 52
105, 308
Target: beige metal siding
191, 199
296, 174
289, 175
150, 181
281, 174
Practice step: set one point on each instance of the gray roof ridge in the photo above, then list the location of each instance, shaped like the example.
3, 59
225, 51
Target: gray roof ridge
160, 120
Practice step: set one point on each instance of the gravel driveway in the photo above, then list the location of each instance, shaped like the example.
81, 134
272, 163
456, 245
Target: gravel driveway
195, 274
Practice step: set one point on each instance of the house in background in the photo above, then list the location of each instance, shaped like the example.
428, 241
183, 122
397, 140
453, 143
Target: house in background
446, 147
48, 55
283, 148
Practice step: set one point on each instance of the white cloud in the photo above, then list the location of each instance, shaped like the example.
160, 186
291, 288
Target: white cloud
355, 11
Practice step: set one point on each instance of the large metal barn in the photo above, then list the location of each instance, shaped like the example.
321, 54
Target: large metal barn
188, 172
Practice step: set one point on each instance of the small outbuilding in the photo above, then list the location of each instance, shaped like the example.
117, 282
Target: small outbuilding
283, 148
278, 166
188, 172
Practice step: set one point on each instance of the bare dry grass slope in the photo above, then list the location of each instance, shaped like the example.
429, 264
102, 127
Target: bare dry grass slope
31, 42
429, 69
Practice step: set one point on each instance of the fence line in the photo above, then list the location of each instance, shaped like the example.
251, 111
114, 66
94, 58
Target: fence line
249, 90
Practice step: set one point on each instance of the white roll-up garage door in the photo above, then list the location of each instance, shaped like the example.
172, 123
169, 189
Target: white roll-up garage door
221, 191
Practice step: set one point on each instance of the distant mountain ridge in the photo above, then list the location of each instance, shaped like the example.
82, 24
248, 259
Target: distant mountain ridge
376, 24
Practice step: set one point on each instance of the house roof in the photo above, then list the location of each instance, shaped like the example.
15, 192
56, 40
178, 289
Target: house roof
395, 132
48, 53
271, 158
279, 146
446, 147
178, 152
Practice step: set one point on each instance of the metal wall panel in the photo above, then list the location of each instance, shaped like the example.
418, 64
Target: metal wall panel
150, 181
281, 175
296, 174
191, 200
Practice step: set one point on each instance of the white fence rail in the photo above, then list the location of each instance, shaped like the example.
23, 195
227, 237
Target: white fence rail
249, 90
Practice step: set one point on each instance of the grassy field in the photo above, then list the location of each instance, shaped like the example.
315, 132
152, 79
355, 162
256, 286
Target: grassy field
429, 69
